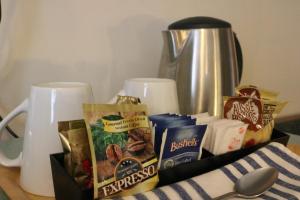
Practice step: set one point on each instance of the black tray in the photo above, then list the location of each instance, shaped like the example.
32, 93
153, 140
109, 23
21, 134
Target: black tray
65, 186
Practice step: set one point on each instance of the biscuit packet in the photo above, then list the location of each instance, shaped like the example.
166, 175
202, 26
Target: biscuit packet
255, 92
124, 162
259, 114
77, 157
128, 100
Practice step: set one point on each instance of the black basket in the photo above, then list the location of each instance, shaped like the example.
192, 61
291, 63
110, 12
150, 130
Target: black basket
65, 186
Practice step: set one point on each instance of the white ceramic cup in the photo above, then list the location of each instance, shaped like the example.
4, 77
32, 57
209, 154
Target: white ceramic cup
48, 103
160, 95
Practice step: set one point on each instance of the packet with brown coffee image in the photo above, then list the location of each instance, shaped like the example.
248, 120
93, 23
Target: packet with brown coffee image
77, 157
124, 162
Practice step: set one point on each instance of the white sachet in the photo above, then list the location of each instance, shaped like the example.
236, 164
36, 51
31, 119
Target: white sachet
205, 119
218, 131
224, 132
231, 138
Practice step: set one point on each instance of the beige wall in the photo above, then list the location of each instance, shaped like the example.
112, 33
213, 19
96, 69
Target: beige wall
105, 42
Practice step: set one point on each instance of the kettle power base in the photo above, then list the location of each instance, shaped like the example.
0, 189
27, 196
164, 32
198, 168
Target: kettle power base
65, 186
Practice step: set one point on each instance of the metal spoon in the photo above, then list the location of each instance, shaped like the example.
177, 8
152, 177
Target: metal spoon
253, 184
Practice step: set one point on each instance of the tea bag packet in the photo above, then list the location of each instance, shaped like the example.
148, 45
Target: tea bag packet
207, 120
163, 124
163, 118
204, 118
166, 117
154, 118
200, 116
77, 158
255, 92
181, 145
124, 162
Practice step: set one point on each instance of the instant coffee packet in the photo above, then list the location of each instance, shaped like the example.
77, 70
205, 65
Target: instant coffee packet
77, 158
259, 114
124, 162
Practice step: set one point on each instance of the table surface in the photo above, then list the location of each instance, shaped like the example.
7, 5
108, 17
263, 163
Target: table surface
9, 181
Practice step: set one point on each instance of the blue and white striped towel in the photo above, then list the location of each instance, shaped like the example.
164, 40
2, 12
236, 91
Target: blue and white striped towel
221, 181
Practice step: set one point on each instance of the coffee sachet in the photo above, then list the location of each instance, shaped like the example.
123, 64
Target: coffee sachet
77, 158
124, 162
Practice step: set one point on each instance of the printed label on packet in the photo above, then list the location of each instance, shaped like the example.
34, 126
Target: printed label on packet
129, 172
250, 92
246, 109
181, 145
255, 92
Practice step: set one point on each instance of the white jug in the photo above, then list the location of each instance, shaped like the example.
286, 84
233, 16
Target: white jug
48, 103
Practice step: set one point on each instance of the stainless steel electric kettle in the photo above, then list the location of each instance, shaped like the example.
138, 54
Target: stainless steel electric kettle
203, 56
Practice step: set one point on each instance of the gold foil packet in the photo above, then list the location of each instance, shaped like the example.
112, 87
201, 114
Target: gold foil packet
77, 158
123, 158
128, 100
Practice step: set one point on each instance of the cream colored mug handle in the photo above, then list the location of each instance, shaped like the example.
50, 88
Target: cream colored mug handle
23, 107
114, 99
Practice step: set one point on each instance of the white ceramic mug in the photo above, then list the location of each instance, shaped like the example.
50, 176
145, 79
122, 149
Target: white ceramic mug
160, 95
48, 103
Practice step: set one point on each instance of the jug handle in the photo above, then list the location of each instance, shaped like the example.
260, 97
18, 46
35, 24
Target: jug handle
23, 107
114, 99
239, 55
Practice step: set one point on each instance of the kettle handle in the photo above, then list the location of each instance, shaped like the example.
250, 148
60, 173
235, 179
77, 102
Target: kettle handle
239, 56
23, 107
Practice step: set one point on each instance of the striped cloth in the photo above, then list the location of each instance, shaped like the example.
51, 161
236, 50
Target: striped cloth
221, 181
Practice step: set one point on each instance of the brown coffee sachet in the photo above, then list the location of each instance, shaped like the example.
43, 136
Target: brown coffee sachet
124, 162
77, 158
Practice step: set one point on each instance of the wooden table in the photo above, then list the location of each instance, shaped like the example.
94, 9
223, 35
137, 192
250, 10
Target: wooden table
9, 181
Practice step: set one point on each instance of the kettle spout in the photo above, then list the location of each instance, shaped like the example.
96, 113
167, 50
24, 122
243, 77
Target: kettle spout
174, 42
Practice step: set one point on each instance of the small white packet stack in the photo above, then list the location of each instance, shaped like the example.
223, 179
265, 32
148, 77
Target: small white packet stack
206, 119
222, 135
228, 135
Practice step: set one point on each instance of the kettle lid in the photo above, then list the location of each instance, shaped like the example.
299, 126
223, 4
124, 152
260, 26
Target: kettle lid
199, 22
